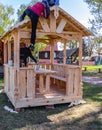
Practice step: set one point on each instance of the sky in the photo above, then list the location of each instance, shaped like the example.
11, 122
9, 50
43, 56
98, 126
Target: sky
76, 8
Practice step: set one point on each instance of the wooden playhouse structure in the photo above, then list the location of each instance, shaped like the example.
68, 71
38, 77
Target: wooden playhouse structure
52, 83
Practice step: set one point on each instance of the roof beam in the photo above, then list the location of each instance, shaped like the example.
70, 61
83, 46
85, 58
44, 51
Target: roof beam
52, 23
61, 26
44, 24
72, 25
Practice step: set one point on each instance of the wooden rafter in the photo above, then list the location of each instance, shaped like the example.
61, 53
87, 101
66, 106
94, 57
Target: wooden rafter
44, 24
52, 23
61, 26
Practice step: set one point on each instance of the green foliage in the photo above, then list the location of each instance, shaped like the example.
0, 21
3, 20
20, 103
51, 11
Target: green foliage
72, 44
90, 44
38, 47
1, 83
23, 7
6, 19
95, 7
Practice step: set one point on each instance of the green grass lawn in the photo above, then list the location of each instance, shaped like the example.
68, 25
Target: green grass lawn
1, 83
93, 68
82, 117
92, 71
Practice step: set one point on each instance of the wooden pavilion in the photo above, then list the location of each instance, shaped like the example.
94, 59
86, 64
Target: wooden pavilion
52, 83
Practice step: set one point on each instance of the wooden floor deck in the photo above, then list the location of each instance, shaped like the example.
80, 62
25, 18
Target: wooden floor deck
54, 92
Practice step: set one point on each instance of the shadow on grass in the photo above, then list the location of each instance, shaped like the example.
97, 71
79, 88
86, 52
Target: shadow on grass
89, 121
30, 117
92, 93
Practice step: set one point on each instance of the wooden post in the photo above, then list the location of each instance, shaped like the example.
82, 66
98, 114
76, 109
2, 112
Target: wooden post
9, 50
47, 83
52, 23
5, 53
52, 53
16, 49
80, 51
41, 83
16, 64
64, 54
80, 62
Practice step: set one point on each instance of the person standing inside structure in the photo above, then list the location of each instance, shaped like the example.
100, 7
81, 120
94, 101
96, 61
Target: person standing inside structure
33, 12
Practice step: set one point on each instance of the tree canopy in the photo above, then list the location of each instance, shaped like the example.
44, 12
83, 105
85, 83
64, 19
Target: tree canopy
95, 7
6, 20
24, 6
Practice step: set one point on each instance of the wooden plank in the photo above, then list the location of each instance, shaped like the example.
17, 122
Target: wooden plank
41, 82
70, 82
47, 83
8, 82
9, 50
6, 78
58, 77
61, 26
45, 101
64, 36
67, 82
44, 24
5, 53
16, 49
76, 82
52, 52
64, 54
23, 84
25, 35
30, 84
52, 23
80, 63
12, 81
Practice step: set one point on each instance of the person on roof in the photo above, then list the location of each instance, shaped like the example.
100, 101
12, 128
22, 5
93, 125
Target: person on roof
33, 12
52, 2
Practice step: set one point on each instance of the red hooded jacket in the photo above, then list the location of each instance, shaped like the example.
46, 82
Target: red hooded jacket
38, 8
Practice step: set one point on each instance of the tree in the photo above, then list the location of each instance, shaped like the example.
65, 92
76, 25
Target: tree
38, 47
23, 7
95, 7
91, 45
72, 44
6, 19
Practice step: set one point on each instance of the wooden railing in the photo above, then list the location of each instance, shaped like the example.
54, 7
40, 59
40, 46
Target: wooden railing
26, 83
71, 76
21, 83
9, 76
